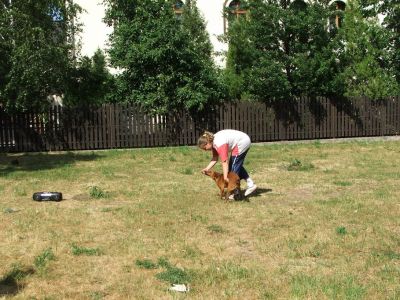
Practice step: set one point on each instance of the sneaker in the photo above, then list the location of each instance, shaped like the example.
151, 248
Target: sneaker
250, 190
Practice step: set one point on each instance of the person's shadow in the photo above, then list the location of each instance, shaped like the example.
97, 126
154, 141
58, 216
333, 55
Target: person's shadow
257, 193
10, 285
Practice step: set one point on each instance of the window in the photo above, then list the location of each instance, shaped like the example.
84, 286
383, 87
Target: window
338, 8
234, 10
298, 5
178, 8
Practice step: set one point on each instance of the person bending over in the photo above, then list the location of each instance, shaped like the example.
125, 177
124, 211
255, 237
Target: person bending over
223, 142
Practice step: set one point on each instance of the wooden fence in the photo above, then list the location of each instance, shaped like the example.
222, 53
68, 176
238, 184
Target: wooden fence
125, 126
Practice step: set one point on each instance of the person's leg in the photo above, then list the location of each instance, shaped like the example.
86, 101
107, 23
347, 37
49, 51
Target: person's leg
236, 165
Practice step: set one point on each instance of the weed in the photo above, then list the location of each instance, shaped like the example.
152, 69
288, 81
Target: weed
76, 250
215, 228
163, 262
107, 209
341, 230
297, 165
199, 218
191, 252
42, 259
187, 171
97, 193
388, 254
96, 295
174, 275
107, 172
302, 285
234, 271
145, 264
342, 183
317, 144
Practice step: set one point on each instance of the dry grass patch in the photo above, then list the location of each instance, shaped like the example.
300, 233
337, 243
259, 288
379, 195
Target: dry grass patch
323, 225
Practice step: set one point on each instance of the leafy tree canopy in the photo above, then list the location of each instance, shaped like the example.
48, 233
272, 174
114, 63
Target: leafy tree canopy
287, 49
365, 54
35, 50
165, 58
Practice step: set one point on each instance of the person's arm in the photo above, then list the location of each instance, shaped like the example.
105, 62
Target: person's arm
223, 154
225, 169
212, 162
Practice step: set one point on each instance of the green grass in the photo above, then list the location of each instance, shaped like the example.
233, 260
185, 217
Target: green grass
42, 259
323, 225
78, 250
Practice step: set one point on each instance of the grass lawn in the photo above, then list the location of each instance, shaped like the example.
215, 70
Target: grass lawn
324, 224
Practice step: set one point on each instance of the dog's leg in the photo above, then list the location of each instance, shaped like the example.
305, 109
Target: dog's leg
237, 195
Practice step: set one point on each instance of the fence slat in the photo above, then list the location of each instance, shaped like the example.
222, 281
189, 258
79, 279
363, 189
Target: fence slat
126, 126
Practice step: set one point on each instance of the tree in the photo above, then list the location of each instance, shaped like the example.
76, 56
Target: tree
35, 47
364, 46
90, 82
279, 51
165, 59
389, 12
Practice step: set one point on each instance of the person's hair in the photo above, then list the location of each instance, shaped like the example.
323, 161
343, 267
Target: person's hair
206, 137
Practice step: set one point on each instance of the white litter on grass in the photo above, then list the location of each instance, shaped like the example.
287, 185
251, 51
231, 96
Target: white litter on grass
179, 288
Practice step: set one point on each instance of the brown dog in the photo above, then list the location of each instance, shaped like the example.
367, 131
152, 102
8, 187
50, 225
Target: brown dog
226, 189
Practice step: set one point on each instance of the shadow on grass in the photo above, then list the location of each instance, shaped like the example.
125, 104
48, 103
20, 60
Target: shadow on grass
40, 161
258, 192
11, 284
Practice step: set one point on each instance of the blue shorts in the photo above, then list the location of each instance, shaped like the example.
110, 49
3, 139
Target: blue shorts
236, 165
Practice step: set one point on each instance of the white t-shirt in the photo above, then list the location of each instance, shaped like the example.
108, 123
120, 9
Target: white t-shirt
230, 140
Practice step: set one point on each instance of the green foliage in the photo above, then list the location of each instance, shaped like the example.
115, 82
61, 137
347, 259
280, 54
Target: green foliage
365, 61
77, 250
90, 82
279, 51
35, 51
297, 165
187, 171
166, 60
145, 264
342, 183
215, 228
42, 259
174, 275
341, 230
285, 50
390, 12
97, 192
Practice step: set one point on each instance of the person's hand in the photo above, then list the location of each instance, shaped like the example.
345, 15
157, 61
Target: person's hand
204, 170
226, 180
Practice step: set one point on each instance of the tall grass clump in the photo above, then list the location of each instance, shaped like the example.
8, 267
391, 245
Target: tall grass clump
98, 193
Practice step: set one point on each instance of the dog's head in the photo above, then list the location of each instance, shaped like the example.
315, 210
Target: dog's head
212, 174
